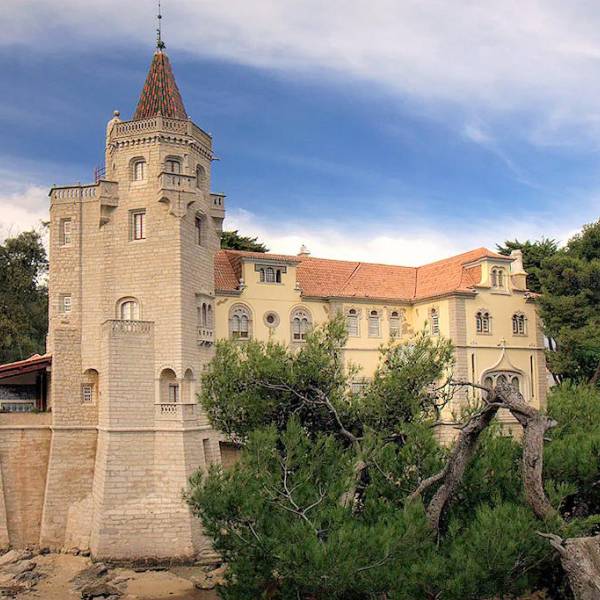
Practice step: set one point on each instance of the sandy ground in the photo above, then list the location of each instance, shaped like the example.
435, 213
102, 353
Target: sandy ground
59, 569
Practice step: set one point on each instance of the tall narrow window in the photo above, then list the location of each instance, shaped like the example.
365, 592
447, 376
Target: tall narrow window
301, 323
240, 323
394, 324
518, 324
497, 278
139, 170
172, 165
270, 275
65, 232
262, 275
352, 322
87, 393
200, 176
435, 322
482, 322
137, 225
373, 324
173, 392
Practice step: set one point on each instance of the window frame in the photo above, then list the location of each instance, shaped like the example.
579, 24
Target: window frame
137, 224
65, 238
241, 315
519, 324
353, 314
483, 322
434, 316
133, 308
374, 324
300, 324
139, 166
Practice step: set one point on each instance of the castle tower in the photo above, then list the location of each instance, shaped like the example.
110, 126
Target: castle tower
131, 327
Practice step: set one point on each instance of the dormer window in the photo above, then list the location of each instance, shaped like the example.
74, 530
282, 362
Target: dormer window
498, 278
173, 165
268, 274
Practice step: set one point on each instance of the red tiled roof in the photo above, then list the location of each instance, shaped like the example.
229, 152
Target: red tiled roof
322, 277
36, 362
160, 94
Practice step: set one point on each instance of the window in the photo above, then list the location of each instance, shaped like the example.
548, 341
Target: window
172, 165
87, 393
137, 225
65, 303
352, 322
129, 310
498, 278
65, 232
269, 274
482, 322
199, 222
301, 322
173, 392
435, 322
200, 176
395, 323
205, 316
503, 377
518, 324
271, 319
240, 323
373, 324
358, 386
139, 170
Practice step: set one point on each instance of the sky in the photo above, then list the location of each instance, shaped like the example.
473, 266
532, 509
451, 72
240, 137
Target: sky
386, 131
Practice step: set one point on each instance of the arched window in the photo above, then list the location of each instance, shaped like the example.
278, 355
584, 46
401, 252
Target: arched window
138, 172
301, 324
519, 324
240, 322
395, 324
352, 322
169, 387
262, 275
504, 377
200, 176
435, 321
89, 386
200, 225
129, 309
374, 324
498, 278
173, 165
482, 321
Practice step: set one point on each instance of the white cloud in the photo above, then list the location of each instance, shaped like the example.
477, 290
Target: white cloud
540, 56
23, 210
402, 243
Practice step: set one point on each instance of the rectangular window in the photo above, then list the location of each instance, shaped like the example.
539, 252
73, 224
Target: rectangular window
87, 393
199, 233
173, 392
65, 232
65, 304
373, 325
137, 225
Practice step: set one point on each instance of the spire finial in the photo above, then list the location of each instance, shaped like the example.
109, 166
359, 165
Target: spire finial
160, 45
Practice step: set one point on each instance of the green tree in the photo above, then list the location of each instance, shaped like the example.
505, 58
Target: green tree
322, 502
23, 296
570, 307
232, 240
534, 254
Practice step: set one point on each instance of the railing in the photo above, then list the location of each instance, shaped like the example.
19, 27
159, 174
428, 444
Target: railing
100, 189
124, 327
164, 124
174, 181
176, 410
205, 335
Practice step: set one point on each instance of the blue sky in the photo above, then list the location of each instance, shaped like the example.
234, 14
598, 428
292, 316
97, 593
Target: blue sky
384, 131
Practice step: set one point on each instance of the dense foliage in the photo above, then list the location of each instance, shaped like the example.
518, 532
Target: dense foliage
23, 297
232, 240
570, 307
318, 505
534, 254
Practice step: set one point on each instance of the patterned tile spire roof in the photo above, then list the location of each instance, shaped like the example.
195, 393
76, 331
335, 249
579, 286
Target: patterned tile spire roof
160, 94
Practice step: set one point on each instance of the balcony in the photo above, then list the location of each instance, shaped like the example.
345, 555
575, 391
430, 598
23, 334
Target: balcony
123, 327
176, 411
177, 182
217, 206
205, 336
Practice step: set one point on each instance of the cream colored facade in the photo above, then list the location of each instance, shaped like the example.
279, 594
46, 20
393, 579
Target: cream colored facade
136, 301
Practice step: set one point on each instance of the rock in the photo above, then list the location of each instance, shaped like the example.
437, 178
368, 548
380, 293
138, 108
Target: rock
90, 575
13, 556
85, 553
99, 590
120, 579
21, 567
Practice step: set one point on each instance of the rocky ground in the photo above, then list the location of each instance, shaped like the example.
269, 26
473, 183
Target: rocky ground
47, 576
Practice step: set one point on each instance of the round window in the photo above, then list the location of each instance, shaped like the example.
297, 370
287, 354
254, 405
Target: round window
271, 319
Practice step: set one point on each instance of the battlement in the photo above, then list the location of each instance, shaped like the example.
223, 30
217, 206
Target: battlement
159, 125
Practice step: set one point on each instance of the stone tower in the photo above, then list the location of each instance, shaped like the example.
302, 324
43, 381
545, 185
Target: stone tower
131, 327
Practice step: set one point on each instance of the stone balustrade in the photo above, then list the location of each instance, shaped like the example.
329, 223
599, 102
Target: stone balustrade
162, 125
102, 189
177, 182
124, 327
205, 336
176, 411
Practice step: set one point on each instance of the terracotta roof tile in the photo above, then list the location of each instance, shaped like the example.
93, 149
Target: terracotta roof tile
322, 277
160, 94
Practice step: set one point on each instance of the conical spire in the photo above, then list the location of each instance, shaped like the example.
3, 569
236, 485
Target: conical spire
160, 95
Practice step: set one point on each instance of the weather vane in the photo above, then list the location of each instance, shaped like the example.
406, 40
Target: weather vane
159, 43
